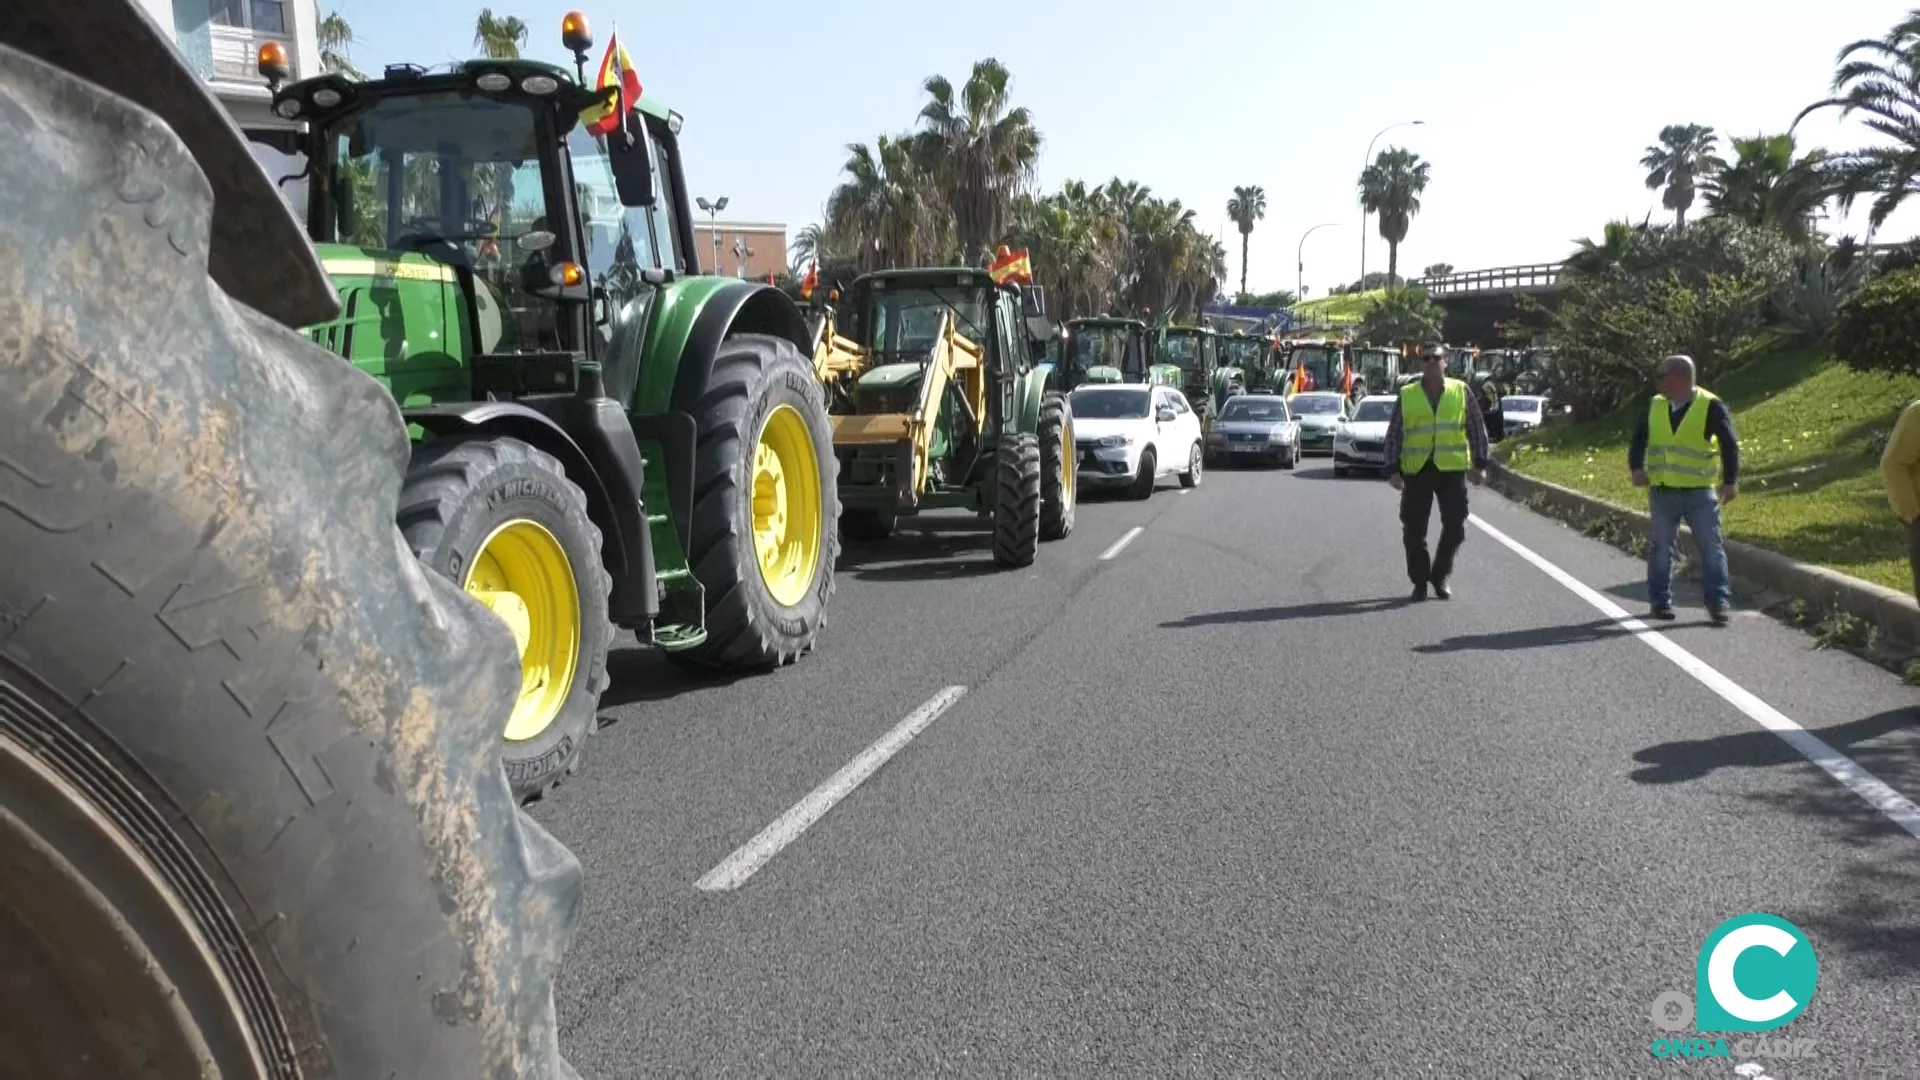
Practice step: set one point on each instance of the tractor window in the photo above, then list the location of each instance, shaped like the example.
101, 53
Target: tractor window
665, 207
1095, 346
902, 324
1180, 350
458, 179
611, 229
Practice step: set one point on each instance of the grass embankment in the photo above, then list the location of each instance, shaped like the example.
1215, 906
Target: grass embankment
1811, 431
1346, 309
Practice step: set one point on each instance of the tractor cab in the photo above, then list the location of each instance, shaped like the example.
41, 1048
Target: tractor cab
1376, 369
1185, 358
483, 241
1243, 359
1316, 365
1102, 350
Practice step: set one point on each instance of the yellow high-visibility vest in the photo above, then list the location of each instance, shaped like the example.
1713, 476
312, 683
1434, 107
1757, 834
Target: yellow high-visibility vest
1425, 434
1683, 457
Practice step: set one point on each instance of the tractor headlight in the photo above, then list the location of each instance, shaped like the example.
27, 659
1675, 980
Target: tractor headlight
326, 97
539, 84
493, 82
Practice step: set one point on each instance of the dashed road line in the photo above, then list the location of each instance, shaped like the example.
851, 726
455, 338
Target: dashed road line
1121, 544
736, 868
1837, 765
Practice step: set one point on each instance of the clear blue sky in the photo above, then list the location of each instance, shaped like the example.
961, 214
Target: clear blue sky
1536, 113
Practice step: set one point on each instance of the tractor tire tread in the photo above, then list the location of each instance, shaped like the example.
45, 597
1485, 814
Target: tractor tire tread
1016, 508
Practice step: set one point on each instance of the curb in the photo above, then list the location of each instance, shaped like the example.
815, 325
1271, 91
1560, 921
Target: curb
1896, 614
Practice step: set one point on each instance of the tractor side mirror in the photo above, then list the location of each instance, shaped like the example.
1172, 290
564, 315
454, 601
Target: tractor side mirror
632, 169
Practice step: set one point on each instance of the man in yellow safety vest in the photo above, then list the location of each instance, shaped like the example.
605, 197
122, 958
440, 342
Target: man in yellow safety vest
1436, 434
1682, 445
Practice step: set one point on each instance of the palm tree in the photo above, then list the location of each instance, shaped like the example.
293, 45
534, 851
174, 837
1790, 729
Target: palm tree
1437, 270
1767, 185
334, 38
1879, 79
886, 209
500, 38
1622, 245
1685, 155
1248, 205
981, 152
1391, 187
1403, 315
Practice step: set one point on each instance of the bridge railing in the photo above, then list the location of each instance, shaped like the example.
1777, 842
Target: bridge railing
1537, 277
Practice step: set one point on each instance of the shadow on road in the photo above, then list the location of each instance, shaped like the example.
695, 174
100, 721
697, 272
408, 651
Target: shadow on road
639, 674
1869, 910
957, 549
1540, 637
1673, 762
1285, 614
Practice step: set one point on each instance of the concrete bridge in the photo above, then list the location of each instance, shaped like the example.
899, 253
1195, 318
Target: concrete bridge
1476, 301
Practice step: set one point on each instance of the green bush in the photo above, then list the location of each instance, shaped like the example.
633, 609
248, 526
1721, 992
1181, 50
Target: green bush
1879, 327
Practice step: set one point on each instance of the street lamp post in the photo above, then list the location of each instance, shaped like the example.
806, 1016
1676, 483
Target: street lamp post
713, 211
1363, 206
1300, 257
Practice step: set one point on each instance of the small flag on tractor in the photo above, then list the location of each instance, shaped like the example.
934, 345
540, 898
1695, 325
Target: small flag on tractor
615, 70
1012, 266
812, 279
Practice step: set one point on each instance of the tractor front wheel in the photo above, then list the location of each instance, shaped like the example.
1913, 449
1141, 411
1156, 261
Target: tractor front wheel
500, 519
766, 507
1056, 468
1016, 507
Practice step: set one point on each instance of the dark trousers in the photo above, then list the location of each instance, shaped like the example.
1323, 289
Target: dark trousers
1417, 497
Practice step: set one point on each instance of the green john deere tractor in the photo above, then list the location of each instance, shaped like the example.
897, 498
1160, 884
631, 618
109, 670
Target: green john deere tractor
603, 436
1187, 358
1242, 361
938, 405
1102, 349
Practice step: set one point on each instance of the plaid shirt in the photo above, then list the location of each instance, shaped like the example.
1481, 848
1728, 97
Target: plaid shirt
1476, 430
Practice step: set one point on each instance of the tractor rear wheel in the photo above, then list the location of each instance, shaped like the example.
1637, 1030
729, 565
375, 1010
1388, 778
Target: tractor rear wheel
1057, 480
766, 507
500, 519
1016, 506
252, 817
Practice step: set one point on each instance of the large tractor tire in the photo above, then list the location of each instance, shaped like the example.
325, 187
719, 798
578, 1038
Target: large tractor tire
252, 816
1057, 462
500, 519
766, 507
1016, 506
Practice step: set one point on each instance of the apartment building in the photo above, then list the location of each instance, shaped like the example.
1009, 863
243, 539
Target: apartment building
222, 38
747, 249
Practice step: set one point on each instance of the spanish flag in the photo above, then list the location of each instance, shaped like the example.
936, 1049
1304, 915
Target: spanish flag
616, 69
1011, 266
811, 281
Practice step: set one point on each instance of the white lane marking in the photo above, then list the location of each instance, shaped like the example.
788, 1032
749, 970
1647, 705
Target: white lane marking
736, 868
1842, 768
1121, 544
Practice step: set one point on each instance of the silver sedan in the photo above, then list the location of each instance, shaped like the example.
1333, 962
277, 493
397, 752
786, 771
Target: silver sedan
1255, 427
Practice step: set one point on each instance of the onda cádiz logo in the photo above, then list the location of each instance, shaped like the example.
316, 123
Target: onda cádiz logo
1756, 972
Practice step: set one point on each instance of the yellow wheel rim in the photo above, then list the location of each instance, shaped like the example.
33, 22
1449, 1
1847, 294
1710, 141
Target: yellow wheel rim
1070, 459
786, 506
523, 576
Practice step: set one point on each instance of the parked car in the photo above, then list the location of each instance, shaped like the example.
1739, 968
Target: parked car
1130, 435
1523, 412
1255, 427
1361, 442
1320, 413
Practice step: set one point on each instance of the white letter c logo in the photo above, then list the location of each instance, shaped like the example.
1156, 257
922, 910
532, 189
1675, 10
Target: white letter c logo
1720, 973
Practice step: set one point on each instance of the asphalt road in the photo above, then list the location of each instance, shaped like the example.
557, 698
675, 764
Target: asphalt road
1225, 803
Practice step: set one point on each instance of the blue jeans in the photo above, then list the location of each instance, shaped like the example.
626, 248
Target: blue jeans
1700, 508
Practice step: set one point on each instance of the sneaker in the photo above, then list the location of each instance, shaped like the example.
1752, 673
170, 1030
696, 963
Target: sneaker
1662, 611
1718, 615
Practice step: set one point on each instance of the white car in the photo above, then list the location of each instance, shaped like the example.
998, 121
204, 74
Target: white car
1129, 435
1522, 412
1361, 442
1320, 413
